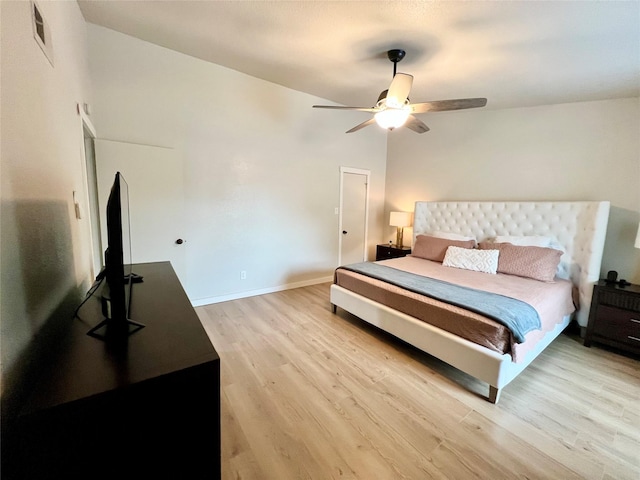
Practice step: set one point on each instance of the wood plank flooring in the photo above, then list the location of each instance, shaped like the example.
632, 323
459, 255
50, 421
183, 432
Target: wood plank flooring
307, 394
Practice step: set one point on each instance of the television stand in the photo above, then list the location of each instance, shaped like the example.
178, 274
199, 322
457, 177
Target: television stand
148, 407
108, 332
133, 278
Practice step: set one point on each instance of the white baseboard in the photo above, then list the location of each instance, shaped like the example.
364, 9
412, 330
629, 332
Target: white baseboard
252, 293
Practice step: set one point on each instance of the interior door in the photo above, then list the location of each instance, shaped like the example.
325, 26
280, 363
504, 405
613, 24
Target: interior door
353, 218
155, 179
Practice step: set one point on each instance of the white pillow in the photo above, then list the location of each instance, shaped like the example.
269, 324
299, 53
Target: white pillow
451, 236
477, 260
524, 240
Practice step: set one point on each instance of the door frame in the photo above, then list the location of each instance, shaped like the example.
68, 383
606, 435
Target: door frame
87, 127
367, 174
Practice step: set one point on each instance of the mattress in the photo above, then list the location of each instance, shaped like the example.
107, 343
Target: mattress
553, 301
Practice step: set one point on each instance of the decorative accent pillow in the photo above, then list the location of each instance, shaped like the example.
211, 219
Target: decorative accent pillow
451, 236
434, 248
477, 260
524, 240
538, 263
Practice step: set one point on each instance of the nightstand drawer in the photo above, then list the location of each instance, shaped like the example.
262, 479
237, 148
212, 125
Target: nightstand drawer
621, 300
618, 324
384, 252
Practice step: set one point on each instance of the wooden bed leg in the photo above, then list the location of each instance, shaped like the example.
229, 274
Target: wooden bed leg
494, 394
334, 308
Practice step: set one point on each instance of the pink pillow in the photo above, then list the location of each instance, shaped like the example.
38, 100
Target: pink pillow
539, 263
434, 248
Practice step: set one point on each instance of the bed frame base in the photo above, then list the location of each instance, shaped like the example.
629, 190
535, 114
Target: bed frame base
494, 394
491, 367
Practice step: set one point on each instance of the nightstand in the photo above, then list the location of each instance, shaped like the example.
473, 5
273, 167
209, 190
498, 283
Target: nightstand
384, 251
614, 318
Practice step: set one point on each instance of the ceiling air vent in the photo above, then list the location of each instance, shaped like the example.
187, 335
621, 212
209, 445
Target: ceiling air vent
41, 31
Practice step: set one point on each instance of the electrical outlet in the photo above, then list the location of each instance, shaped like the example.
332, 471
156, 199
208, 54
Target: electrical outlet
336, 211
243, 275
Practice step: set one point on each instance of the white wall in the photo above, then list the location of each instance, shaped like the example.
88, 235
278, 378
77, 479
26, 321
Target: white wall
261, 166
45, 251
577, 151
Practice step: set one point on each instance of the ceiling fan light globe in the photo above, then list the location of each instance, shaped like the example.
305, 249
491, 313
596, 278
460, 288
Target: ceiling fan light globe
392, 117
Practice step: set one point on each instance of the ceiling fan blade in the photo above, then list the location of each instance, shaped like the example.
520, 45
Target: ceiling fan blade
416, 125
361, 109
399, 90
444, 105
362, 125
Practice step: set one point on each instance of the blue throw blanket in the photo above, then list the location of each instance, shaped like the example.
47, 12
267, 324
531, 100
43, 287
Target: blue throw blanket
518, 316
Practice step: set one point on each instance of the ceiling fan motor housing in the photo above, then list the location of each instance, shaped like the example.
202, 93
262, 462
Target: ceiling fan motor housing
383, 95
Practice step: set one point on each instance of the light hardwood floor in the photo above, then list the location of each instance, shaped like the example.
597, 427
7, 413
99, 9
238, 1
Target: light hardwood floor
307, 394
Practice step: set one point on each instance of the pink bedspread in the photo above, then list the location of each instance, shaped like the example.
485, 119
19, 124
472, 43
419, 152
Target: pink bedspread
552, 301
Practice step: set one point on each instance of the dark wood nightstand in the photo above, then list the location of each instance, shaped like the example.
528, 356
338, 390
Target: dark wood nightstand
614, 318
384, 251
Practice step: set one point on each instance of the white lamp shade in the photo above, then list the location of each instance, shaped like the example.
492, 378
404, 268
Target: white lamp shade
400, 219
637, 244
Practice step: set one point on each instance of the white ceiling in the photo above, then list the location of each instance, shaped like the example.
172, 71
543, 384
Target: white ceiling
519, 53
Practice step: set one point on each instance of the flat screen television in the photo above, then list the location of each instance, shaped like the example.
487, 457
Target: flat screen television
117, 295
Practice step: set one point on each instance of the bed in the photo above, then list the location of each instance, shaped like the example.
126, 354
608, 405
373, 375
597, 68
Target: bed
577, 229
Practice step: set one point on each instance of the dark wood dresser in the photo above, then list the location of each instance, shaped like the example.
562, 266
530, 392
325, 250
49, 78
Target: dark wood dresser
145, 408
614, 318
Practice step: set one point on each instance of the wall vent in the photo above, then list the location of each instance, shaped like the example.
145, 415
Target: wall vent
41, 31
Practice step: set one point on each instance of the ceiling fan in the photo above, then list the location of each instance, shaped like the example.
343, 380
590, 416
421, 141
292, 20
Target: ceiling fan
393, 108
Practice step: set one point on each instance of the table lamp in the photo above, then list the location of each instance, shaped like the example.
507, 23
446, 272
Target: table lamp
400, 220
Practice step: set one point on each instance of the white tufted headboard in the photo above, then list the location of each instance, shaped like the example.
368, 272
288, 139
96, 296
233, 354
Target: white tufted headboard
579, 227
